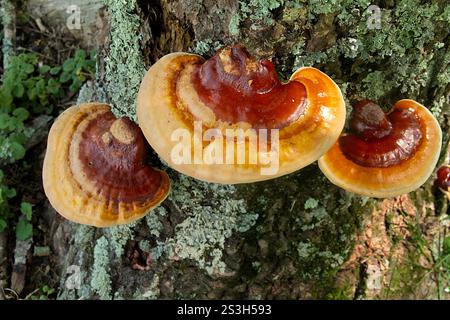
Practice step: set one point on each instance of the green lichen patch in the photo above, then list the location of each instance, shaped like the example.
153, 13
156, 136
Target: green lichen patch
212, 214
311, 203
154, 224
124, 63
303, 235
207, 47
76, 280
118, 237
398, 60
101, 281
6, 16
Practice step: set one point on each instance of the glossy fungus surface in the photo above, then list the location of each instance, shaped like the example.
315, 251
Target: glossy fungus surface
238, 88
443, 178
385, 154
301, 118
95, 169
381, 140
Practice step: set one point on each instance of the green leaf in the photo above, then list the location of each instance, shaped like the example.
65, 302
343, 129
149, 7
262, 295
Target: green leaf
7, 100
53, 86
21, 114
2, 225
32, 93
28, 68
65, 76
76, 84
89, 65
19, 90
18, 137
27, 210
78, 70
47, 290
80, 55
10, 192
44, 69
24, 229
43, 99
30, 83
40, 86
55, 70
446, 246
17, 150
9, 84
13, 123
69, 65
4, 121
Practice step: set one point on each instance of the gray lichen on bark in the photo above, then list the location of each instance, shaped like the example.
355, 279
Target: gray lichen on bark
297, 236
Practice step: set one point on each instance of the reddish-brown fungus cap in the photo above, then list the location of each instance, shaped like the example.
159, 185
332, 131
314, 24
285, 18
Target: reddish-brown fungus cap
230, 91
238, 88
94, 169
385, 155
443, 179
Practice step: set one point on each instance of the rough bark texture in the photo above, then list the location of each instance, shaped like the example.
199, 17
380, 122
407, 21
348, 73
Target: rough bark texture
64, 15
293, 237
8, 22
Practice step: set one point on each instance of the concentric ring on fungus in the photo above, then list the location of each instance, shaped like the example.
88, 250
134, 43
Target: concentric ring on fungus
232, 91
385, 155
94, 169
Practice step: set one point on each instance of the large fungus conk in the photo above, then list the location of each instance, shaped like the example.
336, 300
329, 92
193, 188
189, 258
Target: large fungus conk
198, 113
94, 169
384, 155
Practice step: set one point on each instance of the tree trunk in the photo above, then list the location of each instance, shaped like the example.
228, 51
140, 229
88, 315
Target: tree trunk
297, 236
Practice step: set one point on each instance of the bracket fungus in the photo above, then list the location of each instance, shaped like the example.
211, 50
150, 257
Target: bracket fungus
229, 119
94, 169
443, 180
384, 155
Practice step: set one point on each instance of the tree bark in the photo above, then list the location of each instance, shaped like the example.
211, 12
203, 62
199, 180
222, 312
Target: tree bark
294, 237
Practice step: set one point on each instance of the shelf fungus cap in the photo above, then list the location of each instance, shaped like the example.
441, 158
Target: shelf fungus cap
443, 180
94, 169
385, 155
229, 119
